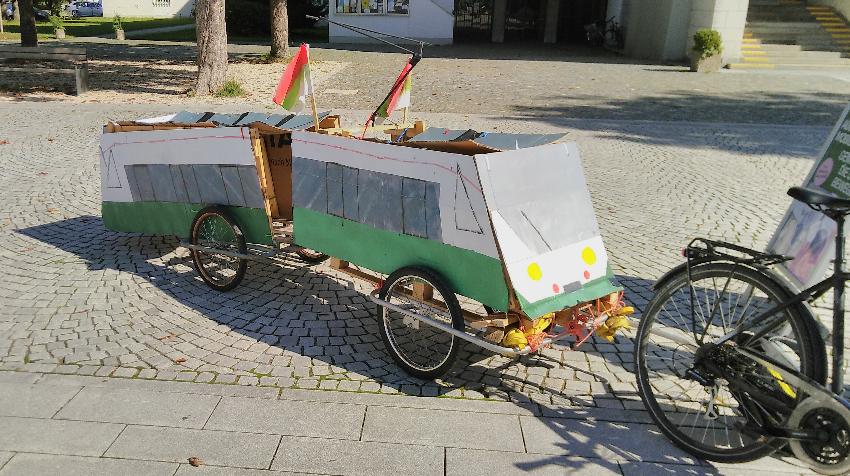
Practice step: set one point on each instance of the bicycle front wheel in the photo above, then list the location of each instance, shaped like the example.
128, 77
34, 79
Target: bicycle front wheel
713, 420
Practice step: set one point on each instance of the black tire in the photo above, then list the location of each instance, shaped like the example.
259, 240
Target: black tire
421, 350
214, 228
799, 342
310, 256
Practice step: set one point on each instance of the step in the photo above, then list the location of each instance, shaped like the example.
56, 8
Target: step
788, 66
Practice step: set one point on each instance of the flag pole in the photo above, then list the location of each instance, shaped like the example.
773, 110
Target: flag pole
312, 92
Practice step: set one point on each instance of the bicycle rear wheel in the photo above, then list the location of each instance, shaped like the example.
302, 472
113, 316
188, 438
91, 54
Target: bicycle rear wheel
701, 413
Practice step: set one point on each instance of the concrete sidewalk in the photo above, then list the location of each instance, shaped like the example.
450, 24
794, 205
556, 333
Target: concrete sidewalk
89, 425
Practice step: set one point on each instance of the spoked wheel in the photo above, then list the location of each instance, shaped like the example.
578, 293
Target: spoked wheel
310, 256
676, 363
214, 229
420, 349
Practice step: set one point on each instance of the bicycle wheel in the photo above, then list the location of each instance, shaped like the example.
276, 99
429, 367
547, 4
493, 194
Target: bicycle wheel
311, 256
214, 229
421, 350
701, 413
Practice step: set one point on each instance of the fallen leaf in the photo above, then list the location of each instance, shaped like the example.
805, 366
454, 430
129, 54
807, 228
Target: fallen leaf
180, 360
195, 461
51, 210
3, 142
42, 173
50, 139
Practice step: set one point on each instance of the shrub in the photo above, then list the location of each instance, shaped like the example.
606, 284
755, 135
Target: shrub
707, 42
116, 23
230, 89
56, 22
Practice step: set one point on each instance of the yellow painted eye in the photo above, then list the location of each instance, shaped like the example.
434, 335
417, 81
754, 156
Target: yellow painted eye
588, 256
534, 272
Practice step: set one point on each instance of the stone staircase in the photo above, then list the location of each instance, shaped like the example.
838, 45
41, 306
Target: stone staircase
789, 34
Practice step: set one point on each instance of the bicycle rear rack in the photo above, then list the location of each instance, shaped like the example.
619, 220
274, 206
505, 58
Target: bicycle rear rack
703, 249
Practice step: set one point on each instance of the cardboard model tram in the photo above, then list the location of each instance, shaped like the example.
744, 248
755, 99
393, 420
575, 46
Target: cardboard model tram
503, 220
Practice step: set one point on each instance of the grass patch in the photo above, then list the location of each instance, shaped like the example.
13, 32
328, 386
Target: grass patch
296, 36
92, 26
230, 89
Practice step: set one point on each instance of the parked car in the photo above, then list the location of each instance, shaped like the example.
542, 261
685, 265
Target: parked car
40, 15
84, 9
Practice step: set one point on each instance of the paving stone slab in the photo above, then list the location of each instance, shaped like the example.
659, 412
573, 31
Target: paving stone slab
5, 456
41, 464
318, 455
18, 377
161, 386
140, 407
39, 401
56, 437
466, 462
245, 450
443, 428
206, 470
292, 418
600, 439
481, 406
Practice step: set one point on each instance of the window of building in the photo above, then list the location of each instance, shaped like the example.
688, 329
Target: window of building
373, 7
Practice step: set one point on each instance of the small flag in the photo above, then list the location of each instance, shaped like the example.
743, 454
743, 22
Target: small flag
400, 97
295, 84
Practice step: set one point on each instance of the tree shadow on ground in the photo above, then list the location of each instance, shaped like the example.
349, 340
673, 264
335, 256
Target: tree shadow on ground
781, 110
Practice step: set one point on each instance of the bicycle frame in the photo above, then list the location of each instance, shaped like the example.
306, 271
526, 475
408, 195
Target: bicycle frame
761, 261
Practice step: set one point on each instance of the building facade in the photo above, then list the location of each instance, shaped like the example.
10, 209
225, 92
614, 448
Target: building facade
148, 8
659, 30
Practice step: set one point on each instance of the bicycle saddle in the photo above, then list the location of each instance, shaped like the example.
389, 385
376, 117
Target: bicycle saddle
821, 200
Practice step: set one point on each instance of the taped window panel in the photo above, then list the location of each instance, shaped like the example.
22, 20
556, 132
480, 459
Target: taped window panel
465, 217
181, 195
130, 172
163, 184
526, 230
186, 117
233, 186
371, 198
393, 210
309, 184
350, 204
210, 184
192, 191
433, 222
251, 187
413, 207
143, 180
335, 201
251, 117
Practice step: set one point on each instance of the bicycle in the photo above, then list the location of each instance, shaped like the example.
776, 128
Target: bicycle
605, 33
730, 362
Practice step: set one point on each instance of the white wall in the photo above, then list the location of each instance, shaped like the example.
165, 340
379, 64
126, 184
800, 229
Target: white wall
148, 8
428, 20
663, 29
728, 17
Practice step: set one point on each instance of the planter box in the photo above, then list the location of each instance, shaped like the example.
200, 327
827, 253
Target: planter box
119, 35
711, 64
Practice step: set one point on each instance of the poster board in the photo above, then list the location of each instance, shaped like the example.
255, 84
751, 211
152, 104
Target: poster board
808, 235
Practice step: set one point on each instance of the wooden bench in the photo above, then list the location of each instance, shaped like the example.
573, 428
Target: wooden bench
67, 60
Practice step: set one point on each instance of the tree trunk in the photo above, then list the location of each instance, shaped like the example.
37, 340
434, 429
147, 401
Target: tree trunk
16, 12
212, 46
280, 29
29, 37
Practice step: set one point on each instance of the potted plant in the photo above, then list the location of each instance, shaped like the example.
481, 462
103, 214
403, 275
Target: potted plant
58, 26
118, 27
708, 46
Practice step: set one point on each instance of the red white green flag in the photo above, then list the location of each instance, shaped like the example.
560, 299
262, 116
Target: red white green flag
295, 84
400, 97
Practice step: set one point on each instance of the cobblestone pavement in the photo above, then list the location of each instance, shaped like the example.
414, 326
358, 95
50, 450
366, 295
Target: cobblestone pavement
515, 82
78, 299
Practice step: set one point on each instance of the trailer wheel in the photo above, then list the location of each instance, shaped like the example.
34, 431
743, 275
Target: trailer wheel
213, 228
421, 350
310, 256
